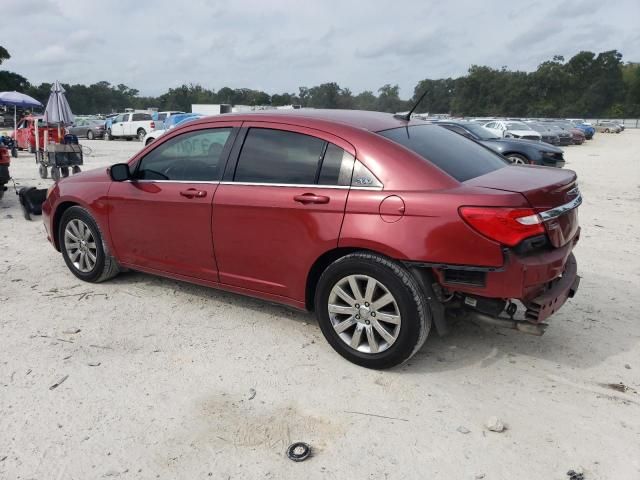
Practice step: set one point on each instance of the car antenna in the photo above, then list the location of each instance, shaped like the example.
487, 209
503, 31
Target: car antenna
407, 116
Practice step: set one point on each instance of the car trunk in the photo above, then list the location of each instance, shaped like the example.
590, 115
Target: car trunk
545, 189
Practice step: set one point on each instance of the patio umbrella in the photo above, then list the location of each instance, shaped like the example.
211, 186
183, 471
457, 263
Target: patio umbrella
57, 110
17, 99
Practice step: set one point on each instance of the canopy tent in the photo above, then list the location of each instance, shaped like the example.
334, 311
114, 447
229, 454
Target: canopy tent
17, 99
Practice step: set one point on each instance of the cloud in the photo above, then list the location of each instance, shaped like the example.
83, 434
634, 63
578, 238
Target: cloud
280, 45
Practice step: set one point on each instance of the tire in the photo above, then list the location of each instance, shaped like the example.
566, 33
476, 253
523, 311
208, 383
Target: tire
517, 159
31, 149
149, 141
64, 171
606, 130
55, 174
75, 169
14, 152
408, 307
42, 170
141, 133
75, 222
90, 135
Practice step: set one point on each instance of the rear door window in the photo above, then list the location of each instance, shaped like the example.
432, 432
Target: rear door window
193, 156
278, 156
457, 156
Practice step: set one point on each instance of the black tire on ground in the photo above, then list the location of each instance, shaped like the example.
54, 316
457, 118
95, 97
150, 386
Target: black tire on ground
42, 170
2, 187
55, 173
105, 266
90, 135
14, 152
149, 141
75, 169
64, 171
31, 149
412, 305
141, 133
518, 159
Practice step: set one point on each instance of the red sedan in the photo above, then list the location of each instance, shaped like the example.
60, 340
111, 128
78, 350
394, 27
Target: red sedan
384, 227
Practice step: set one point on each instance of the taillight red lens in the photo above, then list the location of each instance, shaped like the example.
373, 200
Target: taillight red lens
508, 226
153, 125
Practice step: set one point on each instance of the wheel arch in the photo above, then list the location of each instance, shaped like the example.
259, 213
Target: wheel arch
57, 216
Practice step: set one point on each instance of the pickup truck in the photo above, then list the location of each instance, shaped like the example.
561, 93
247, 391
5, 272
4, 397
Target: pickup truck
130, 125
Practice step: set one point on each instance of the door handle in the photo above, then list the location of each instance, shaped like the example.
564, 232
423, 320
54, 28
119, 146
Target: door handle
193, 192
306, 198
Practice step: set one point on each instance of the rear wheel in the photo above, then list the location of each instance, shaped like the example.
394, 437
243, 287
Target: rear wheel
83, 248
90, 135
371, 310
141, 133
75, 169
517, 159
55, 173
64, 171
42, 170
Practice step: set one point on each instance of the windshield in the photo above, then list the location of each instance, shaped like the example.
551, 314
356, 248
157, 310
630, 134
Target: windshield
461, 158
480, 132
517, 126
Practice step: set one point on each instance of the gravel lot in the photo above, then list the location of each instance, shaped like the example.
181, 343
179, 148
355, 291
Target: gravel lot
169, 380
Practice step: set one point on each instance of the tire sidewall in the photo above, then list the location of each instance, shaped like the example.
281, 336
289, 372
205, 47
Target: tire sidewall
410, 329
81, 214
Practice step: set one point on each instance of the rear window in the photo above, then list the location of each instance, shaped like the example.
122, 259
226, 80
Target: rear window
460, 157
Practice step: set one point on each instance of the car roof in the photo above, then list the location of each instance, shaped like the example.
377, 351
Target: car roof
361, 119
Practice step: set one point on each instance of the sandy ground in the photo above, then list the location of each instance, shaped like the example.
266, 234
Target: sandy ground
194, 383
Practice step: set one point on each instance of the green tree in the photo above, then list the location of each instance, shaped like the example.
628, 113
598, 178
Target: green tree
4, 54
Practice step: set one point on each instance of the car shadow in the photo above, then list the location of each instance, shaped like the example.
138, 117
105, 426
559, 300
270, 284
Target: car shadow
585, 332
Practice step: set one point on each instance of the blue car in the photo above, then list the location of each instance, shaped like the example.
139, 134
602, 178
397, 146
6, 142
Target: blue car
588, 130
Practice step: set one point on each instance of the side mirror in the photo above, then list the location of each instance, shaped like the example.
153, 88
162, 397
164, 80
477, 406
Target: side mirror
120, 172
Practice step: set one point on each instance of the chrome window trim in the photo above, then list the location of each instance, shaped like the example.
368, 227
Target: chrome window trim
561, 210
301, 185
297, 185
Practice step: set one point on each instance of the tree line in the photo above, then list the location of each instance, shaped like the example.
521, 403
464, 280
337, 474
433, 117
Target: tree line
586, 85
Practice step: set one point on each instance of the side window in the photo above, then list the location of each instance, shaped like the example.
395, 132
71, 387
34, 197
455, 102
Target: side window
362, 177
140, 116
337, 167
278, 156
192, 156
490, 125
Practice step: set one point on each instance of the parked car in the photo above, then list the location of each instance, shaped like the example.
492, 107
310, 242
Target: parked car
130, 125
87, 128
160, 117
516, 150
25, 135
547, 135
512, 129
586, 128
171, 122
380, 225
564, 136
608, 127
615, 123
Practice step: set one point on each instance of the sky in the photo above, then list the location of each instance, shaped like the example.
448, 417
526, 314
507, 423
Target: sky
280, 45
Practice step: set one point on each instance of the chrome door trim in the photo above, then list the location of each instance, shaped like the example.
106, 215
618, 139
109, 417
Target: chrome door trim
299, 185
561, 210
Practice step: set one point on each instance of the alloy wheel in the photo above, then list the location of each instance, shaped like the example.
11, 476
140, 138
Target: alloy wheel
80, 245
364, 314
516, 160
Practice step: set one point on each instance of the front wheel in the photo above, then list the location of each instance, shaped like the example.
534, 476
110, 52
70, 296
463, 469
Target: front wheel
83, 248
372, 310
90, 135
516, 159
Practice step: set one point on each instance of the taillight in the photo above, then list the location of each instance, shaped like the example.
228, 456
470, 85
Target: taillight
153, 125
508, 226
